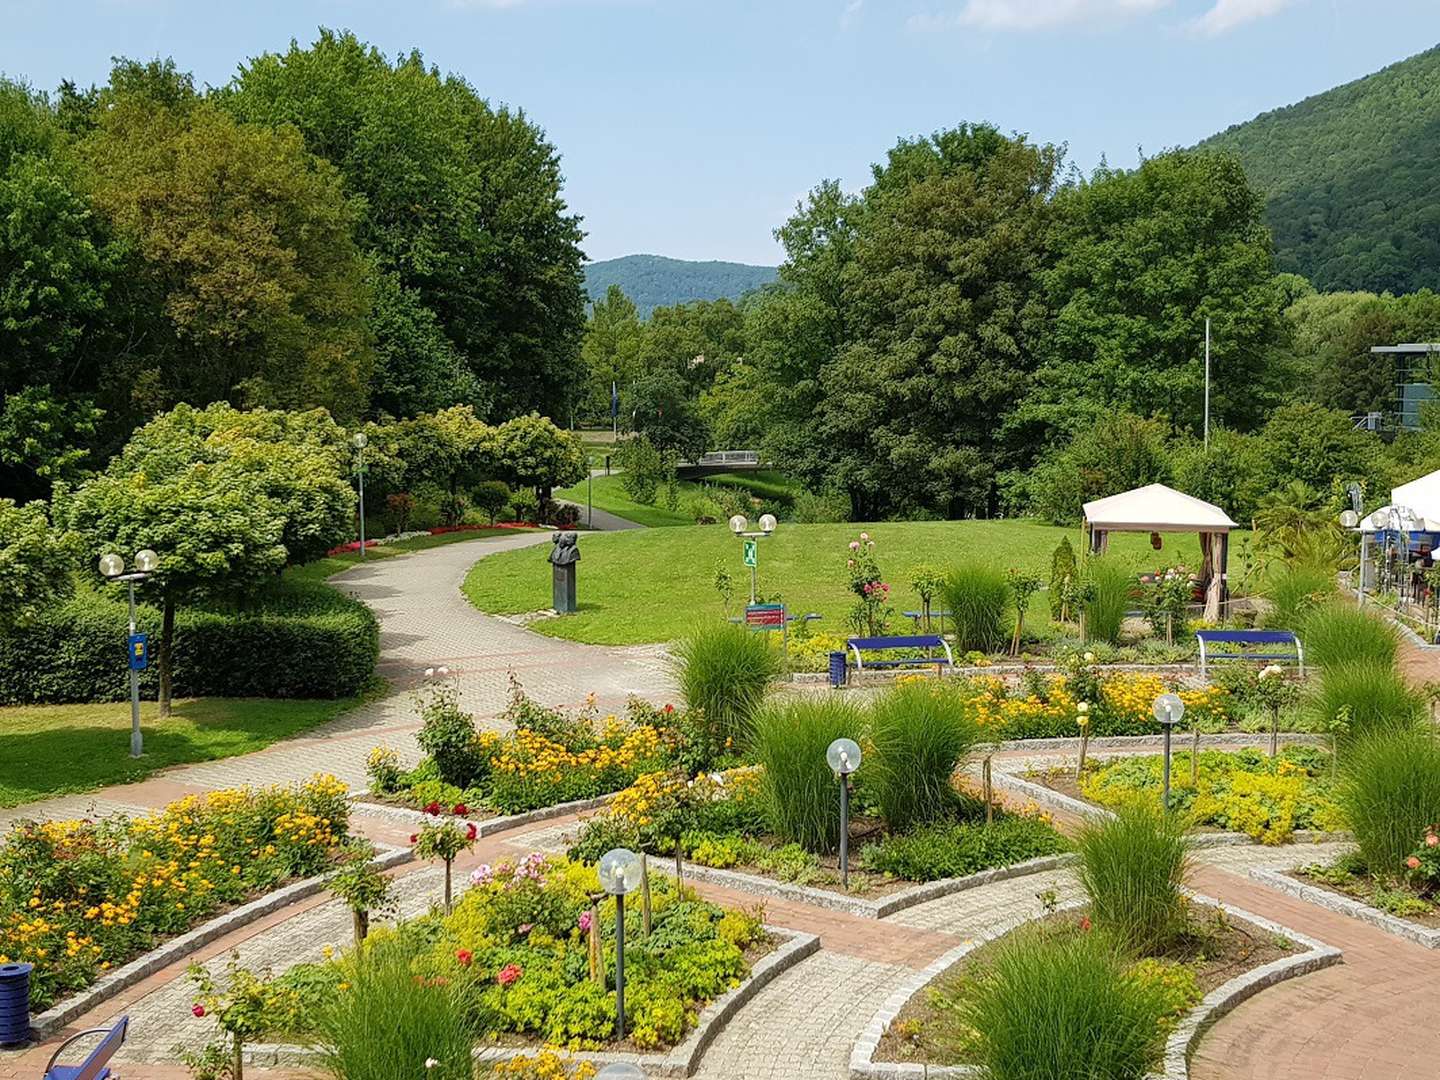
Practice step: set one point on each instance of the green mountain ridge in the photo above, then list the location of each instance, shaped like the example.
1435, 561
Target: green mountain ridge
1352, 191
653, 281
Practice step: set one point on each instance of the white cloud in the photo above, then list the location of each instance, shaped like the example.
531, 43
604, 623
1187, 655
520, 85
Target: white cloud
1226, 15
851, 13
1040, 14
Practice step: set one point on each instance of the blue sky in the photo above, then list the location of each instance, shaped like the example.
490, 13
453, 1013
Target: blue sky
690, 128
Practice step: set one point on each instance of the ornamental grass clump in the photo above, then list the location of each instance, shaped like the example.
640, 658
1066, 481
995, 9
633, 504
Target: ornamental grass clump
1107, 592
1371, 695
978, 598
723, 672
1133, 867
921, 732
1294, 591
1341, 633
1390, 793
798, 789
1061, 1007
387, 1022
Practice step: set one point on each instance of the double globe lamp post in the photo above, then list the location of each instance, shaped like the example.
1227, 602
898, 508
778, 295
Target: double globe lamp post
113, 567
740, 526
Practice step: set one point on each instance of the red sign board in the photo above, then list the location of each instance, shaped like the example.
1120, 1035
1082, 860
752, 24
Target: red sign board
765, 615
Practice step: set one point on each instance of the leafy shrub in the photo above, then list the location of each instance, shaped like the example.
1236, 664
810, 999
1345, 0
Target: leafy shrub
448, 736
561, 515
1064, 1006
387, 1023
1133, 867
491, 497
642, 469
823, 508
1370, 695
1063, 577
1294, 591
723, 671
1108, 588
799, 790
298, 640
1390, 791
978, 597
1341, 633
525, 506
921, 733
954, 849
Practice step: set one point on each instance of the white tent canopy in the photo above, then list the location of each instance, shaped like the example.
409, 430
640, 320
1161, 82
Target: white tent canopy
1156, 508
1420, 496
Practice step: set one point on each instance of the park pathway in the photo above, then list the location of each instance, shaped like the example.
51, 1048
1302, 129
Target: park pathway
425, 622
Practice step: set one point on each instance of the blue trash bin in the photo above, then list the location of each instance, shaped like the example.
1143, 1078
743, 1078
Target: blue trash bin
837, 669
14, 1003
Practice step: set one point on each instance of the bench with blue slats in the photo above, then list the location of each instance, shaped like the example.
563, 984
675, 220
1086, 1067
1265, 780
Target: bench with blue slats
1246, 642
929, 642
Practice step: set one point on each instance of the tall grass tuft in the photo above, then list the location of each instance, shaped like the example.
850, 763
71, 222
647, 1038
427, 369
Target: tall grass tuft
1061, 1007
1110, 586
1133, 867
1390, 792
1372, 696
921, 732
801, 794
1341, 633
978, 596
723, 672
1294, 591
387, 1024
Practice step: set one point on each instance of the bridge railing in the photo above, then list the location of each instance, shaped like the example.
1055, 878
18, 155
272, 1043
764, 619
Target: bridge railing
729, 457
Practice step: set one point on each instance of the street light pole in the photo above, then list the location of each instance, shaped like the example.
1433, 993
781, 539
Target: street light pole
137, 741
136, 645
360, 440
1168, 709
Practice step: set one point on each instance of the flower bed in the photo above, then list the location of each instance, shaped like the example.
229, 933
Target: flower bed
718, 821
531, 953
80, 897
930, 1029
1245, 791
1411, 892
547, 760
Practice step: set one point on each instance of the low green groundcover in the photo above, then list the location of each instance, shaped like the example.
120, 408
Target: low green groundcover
1245, 791
517, 948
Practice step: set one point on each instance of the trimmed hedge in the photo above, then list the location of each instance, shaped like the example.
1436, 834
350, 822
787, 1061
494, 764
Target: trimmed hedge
300, 640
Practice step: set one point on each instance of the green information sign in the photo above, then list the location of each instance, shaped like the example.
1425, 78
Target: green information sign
752, 553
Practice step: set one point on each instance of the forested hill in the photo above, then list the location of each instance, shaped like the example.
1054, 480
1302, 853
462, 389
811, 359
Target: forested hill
654, 281
1351, 179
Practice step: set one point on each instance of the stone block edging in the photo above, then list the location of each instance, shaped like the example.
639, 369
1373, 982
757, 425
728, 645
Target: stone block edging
681, 1060
1427, 936
880, 676
1058, 800
177, 948
1178, 1046
857, 905
485, 827
1071, 743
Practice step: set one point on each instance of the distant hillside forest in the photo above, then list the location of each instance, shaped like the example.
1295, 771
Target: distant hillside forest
654, 281
1352, 191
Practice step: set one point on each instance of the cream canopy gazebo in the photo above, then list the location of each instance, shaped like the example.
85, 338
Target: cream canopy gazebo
1156, 508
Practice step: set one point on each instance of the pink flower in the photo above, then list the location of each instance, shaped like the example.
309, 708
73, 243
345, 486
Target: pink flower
470, 832
465, 956
509, 974
854, 545
865, 537
585, 921
482, 875
525, 928
1432, 840
1413, 863
198, 1009
850, 564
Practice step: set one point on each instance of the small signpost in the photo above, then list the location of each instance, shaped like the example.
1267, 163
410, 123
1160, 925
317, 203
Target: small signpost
139, 648
752, 554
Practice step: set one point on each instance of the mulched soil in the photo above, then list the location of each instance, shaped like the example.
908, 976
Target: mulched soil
1361, 888
1217, 951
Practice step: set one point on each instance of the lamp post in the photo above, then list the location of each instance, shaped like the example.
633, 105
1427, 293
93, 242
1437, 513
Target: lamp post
843, 757
136, 645
620, 872
1351, 520
1168, 709
360, 440
741, 528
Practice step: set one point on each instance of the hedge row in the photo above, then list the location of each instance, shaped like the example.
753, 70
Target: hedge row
303, 640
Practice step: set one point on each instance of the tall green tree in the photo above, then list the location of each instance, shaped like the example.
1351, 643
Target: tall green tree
462, 201
610, 354
246, 241
533, 452
37, 563
1142, 258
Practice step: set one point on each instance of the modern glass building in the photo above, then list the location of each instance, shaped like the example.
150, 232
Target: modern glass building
1415, 374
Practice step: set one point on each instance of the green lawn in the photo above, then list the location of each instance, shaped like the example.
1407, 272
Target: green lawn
651, 586
68, 749
609, 495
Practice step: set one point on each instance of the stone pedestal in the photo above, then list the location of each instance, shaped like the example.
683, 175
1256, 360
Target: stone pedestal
563, 588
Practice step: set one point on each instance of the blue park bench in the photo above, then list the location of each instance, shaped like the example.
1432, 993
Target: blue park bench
97, 1065
1244, 641
928, 642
